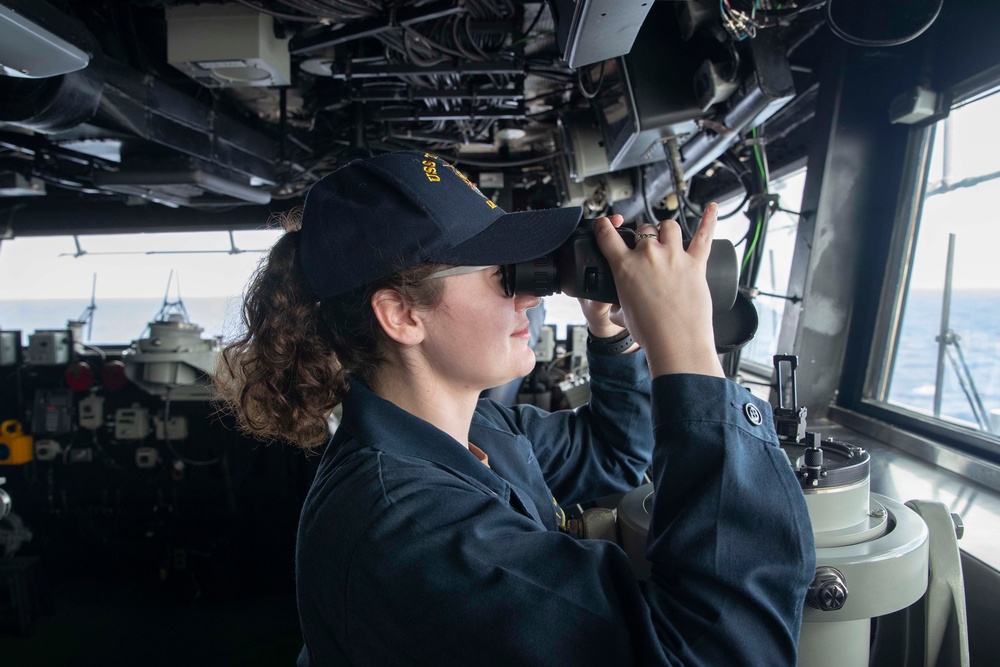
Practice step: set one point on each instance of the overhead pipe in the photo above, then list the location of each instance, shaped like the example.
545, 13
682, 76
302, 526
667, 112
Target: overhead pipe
146, 107
52, 104
109, 93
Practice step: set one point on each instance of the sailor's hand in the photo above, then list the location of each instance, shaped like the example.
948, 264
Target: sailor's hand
664, 294
599, 314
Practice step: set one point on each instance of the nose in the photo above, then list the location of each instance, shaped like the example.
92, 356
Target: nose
523, 302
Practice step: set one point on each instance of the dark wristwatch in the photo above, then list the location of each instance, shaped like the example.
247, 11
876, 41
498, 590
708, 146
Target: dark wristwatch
616, 344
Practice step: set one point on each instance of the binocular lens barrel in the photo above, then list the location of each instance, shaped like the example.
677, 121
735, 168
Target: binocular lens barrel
539, 277
578, 269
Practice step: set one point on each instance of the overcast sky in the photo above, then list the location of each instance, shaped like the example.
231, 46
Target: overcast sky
44, 268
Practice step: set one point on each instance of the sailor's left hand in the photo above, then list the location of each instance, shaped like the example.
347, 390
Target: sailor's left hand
598, 316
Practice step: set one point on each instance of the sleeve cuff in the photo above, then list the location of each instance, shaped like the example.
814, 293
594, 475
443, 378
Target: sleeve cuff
688, 397
630, 367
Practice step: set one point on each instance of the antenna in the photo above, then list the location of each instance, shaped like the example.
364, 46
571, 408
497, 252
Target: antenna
88, 313
166, 293
169, 306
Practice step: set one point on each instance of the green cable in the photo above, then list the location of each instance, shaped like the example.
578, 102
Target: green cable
760, 160
753, 244
763, 178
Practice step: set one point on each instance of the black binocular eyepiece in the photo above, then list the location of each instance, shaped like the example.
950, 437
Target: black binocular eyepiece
578, 269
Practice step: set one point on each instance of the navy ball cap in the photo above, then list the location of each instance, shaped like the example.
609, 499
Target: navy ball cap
379, 215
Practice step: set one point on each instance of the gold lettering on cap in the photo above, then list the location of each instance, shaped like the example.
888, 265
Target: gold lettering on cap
430, 168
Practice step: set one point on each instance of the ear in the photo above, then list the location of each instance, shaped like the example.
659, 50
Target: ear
399, 320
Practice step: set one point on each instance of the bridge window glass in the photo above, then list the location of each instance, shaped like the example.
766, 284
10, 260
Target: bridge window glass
48, 281
943, 360
776, 260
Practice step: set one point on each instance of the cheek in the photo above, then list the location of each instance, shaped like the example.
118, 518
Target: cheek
461, 332
480, 318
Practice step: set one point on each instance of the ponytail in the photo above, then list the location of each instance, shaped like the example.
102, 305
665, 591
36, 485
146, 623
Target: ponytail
290, 368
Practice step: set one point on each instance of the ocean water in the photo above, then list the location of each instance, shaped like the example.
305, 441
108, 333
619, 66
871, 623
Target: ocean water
975, 318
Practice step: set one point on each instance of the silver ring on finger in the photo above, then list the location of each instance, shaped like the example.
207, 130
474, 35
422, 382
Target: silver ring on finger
646, 236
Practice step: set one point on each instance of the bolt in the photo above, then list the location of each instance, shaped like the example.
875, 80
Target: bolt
828, 590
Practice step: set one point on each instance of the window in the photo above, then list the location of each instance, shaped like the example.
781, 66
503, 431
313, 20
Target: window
563, 311
952, 284
776, 261
48, 281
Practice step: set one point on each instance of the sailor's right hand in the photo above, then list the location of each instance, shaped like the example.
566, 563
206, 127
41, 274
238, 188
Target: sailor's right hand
664, 295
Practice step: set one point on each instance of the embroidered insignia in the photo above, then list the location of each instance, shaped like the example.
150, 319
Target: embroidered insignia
430, 168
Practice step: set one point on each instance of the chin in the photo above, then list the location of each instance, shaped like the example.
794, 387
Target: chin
527, 366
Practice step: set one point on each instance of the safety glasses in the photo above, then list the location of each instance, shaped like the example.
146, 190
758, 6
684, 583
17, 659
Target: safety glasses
505, 275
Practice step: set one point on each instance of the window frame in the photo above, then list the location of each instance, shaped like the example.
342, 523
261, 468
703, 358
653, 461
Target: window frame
863, 389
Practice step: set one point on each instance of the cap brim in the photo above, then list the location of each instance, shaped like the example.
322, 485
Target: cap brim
515, 237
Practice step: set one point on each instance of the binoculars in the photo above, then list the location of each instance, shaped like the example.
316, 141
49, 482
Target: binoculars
578, 269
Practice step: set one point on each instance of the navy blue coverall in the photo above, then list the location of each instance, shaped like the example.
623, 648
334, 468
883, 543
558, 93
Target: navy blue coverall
412, 552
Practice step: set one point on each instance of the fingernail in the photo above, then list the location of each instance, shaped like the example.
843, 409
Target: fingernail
713, 206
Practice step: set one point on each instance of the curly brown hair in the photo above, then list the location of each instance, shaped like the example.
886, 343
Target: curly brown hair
292, 364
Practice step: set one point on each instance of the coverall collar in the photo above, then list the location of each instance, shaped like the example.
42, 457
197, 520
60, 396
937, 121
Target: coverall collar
377, 423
